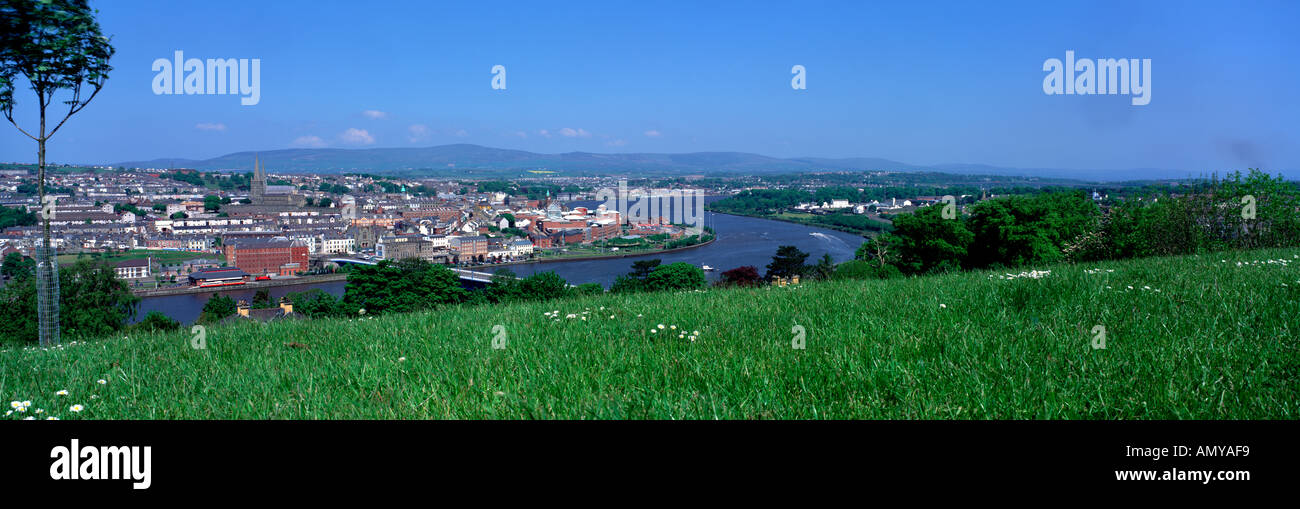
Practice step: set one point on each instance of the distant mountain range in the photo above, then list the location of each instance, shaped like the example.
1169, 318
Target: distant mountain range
466, 159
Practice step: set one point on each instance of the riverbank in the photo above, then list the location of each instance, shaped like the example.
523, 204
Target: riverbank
738, 241
328, 278
600, 257
270, 283
813, 224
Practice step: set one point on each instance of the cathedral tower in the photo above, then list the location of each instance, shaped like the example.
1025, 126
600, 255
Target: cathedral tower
257, 188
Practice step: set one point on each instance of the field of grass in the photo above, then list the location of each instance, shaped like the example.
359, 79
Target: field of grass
856, 224
1202, 337
158, 255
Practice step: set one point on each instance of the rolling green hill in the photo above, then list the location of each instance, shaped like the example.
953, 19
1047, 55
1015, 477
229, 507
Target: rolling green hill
1199, 337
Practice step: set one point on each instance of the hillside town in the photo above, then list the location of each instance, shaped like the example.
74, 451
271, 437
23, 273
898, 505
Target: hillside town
168, 227
273, 226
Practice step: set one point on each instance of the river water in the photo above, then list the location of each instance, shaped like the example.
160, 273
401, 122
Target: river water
740, 241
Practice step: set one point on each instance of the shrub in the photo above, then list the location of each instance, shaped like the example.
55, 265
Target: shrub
316, 303
406, 285
744, 276
156, 322
675, 276
218, 307
261, 300
545, 286
627, 284
1024, 230
590, 289
93, 302
788, 261
925, 242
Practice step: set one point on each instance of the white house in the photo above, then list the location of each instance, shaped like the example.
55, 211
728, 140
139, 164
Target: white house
520, 247
337, 245
133, 269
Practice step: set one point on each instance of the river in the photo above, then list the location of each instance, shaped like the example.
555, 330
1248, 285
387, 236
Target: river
740, 241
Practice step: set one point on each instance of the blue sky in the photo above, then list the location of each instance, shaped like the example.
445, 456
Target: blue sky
919, 82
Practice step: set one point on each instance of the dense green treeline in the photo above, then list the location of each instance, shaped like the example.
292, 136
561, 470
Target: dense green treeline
1238, 212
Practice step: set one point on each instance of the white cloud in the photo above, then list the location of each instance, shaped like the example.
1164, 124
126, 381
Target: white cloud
461, 133
374, 114
544, 133
616, 143
653, 133
569, 132
309, 141
210, 126
418, 133
356, 136
521, 134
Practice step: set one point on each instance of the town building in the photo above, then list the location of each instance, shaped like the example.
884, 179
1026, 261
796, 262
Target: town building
398, 247
337, 244
278, 256
133, 269
218, 277
468, 245
263, 195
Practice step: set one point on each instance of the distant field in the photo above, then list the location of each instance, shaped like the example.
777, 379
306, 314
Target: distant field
1202, 337
51, 168
156, 254
859, 224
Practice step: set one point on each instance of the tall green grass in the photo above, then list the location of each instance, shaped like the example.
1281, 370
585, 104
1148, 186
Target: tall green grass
1195, 338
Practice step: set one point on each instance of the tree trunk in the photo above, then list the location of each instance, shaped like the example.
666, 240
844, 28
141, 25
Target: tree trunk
47, 271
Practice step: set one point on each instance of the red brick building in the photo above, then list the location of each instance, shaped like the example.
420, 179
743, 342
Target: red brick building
552, 225
605, 231
277, 256
541, 241
445, 214
575, 236
469, 245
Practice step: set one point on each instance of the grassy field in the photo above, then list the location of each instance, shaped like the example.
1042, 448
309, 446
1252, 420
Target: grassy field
158, 255
1208, 337
832, 221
